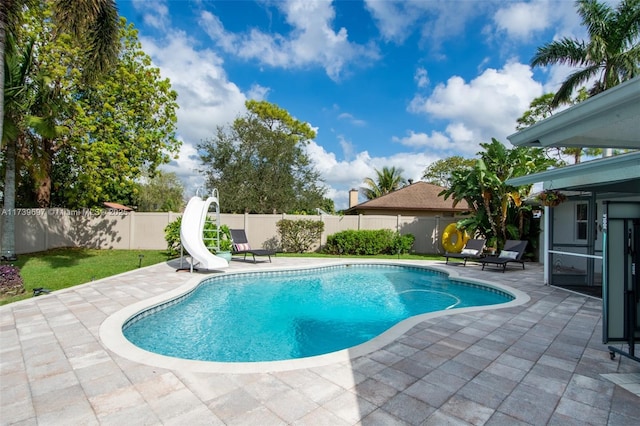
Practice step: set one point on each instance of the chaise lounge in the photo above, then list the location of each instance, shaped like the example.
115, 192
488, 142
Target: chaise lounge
241, 246
513, 251
472, 251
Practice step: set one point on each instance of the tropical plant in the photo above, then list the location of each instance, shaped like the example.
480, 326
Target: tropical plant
217, 240
609, 57
387, 180
497, 209
27, 93
94, 25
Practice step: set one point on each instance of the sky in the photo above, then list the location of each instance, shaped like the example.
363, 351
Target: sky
383, 83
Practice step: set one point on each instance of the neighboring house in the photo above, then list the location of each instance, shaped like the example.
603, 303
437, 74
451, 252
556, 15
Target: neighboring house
593, 238
416, 199
117, 207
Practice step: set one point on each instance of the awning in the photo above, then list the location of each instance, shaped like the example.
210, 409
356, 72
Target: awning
617, 174
610, 119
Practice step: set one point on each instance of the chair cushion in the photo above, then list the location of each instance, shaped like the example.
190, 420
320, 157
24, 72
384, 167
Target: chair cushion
242, 247
472, 252
506, 254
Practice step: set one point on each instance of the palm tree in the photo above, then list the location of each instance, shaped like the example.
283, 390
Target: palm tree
610, 56
388, 180
95, 22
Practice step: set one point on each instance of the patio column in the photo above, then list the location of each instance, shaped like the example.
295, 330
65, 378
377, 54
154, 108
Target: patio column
546, 256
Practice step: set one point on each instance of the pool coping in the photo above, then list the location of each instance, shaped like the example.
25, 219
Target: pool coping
113, 338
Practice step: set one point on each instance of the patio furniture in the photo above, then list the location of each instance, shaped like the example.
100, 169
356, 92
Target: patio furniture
241, 246
472, 250
512, 252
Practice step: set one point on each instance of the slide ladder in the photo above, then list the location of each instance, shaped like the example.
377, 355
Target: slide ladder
191, 232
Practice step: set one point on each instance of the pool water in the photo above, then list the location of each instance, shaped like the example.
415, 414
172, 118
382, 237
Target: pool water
294, 314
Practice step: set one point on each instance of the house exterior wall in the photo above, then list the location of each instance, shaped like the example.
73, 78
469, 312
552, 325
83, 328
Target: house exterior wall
565, 236
44, 229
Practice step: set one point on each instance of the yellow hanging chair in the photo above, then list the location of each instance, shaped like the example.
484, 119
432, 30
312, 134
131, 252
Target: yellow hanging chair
453, 240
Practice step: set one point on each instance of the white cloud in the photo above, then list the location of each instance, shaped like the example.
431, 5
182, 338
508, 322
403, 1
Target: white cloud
312, 41
436, 141
341, 176
258, 92
206, 97
155, 14
487, 106
185, 168
393, 18
421, 77
521, 20
351, 119
437, 21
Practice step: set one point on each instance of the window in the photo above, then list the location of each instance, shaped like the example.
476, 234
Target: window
581, 221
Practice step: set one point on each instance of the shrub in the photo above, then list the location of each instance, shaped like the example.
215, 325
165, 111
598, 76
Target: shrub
368, 242
210, 234
402, 244
298, 236
11, 282
172, 237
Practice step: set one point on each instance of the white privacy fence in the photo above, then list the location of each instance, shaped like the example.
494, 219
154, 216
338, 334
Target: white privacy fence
43, 229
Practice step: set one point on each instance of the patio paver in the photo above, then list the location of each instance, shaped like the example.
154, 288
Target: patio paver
539, 363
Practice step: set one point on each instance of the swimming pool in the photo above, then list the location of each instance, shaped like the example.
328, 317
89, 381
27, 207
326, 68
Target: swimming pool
285, 315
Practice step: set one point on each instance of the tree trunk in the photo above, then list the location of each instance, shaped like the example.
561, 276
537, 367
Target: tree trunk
3, 35
43, 185
9, 207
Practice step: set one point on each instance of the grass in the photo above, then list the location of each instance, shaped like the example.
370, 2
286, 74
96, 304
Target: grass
63, 268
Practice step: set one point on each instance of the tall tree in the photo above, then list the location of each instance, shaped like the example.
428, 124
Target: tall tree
610, 56
440, 172
120, 126
28, 114
93, 22
387, 180
259, 163
161, 193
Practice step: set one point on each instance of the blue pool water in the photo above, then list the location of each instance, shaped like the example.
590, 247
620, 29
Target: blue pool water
293, 314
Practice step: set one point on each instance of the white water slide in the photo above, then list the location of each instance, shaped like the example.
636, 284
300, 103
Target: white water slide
193, 220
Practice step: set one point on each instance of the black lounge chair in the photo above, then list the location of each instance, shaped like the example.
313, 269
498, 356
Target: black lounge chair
241, 246
512, 252
472, 251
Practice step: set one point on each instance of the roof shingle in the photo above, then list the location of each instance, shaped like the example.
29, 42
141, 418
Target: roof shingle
417, 196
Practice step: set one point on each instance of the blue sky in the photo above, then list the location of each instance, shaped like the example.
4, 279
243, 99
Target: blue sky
384, 83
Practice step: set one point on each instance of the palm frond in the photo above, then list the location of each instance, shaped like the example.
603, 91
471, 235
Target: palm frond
564, 51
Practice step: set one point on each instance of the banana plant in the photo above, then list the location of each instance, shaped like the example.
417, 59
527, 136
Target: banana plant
497, 208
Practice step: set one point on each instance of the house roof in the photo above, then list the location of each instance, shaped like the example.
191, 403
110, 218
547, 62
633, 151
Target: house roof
117, 206
419, 196
617, 174
610, 119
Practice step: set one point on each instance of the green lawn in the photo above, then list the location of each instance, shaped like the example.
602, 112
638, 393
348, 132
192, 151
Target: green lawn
62, 268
